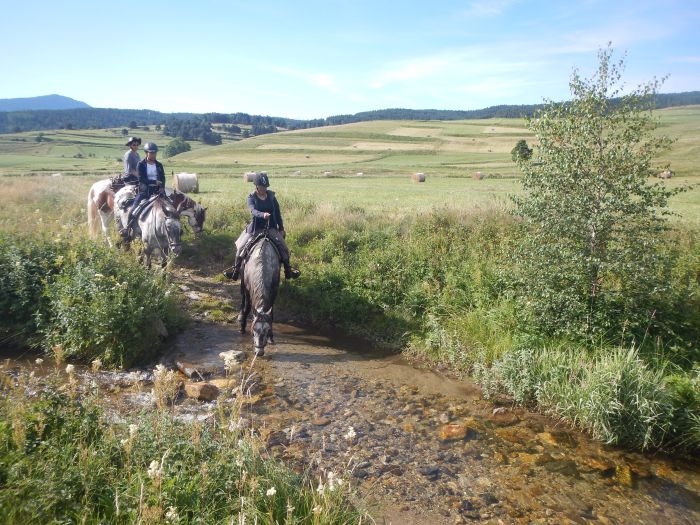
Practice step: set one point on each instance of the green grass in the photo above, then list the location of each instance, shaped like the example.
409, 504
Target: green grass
64, 460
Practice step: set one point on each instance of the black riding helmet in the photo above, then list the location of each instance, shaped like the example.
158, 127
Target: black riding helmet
150, 146
133, 139
261, 179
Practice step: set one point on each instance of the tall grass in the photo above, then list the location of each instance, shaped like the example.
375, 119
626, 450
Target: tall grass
612, 393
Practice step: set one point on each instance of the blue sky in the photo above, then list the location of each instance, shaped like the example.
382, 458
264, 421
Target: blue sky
313, 59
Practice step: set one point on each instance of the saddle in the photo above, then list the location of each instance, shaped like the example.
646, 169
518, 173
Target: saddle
245, 252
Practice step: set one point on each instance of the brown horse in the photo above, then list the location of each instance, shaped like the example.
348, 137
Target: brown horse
100, 204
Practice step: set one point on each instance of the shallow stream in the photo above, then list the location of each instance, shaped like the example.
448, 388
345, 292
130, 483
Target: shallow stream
420, 447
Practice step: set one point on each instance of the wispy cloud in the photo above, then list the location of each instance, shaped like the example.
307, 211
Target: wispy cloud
486, 8
457, 64
685, 59
323, 81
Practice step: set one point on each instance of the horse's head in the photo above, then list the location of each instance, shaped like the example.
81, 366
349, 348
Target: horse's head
173, 229
196, 218
194, 212
262, 326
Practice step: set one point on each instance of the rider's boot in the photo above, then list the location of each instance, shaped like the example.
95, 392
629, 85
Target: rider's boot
234, 273
125, 232
289, 272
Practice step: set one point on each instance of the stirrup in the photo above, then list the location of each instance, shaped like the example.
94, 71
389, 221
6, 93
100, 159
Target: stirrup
291, 273
232, 273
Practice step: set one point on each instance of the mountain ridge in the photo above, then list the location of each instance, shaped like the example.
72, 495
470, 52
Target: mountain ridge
42, 102
89, 117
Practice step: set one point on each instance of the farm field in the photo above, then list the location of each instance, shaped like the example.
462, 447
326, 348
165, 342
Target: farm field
366, 165
377, 148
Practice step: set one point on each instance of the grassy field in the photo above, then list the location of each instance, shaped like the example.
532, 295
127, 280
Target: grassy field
379, 148
325, 163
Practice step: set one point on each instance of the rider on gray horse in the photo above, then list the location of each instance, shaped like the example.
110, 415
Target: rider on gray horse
151, 182
265, 210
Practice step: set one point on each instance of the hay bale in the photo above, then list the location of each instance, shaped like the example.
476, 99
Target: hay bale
478, 175
297, 173
359, 174
186, 182
418, 177
327, 173
666, 174
249, 176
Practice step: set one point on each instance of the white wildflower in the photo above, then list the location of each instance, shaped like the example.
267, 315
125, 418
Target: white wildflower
38, 360
333, 481
96, 364
350, 434
98, 276
154, 470
133, 430
124, 442
271, 492
171, 516
70, 369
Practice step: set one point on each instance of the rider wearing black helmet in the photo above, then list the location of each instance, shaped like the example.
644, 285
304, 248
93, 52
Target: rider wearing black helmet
151, 181
265, 210
131, 161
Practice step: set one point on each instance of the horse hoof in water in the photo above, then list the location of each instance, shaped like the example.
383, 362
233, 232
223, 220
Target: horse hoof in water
259, 352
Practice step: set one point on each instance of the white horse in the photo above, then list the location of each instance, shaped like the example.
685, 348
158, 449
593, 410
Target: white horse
195, 213
159, 224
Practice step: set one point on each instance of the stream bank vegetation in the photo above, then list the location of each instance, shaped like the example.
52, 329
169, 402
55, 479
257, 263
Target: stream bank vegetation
581, 300
65, 459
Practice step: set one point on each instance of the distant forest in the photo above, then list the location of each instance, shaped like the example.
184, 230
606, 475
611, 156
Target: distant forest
194, 126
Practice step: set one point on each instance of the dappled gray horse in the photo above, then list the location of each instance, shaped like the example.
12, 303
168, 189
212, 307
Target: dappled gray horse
259, 285
160, 227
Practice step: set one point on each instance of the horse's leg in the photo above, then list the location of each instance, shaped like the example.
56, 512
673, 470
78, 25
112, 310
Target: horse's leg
105, 217
245, 309
271, 336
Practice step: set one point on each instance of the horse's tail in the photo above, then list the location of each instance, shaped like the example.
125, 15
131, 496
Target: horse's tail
92, 216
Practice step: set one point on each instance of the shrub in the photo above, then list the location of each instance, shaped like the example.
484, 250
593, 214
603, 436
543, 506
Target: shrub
108, 308
25, 263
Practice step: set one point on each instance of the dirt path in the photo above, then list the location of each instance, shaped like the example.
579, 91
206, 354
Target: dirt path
420, 447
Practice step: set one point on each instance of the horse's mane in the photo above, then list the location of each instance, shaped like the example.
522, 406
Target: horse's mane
254, 274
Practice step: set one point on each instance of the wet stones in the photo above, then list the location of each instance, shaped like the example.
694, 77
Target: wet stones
201, 391
456, 432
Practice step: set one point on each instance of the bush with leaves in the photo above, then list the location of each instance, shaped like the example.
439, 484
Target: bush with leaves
107, 308
177, 146
24, 265
521, 151
592, 262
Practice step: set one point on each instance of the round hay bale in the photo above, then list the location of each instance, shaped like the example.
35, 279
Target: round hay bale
249, 176
360, 174
666, 174
418, 177
478, 175
327, 173
186, 182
